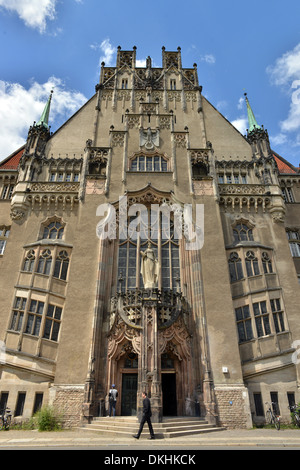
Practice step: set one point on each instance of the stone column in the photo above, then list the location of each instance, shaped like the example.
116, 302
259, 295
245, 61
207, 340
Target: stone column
149, 380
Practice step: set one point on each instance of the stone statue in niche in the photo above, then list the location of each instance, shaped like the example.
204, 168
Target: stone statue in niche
149, 138
149, 268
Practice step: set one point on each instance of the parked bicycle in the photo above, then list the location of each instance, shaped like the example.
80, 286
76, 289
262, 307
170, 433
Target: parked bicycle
271, 416
5, 419
295, 415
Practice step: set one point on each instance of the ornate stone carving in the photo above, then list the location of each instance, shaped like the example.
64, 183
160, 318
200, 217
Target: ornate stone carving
180, 139
149, 138
174, 96
203, 187
123, 95
148, 108
130, 306
164, 122
117, 139
133, 121
97, 162
95, 187
242, 189
54, 187
176, 333
57, 200
245, 202
17, 214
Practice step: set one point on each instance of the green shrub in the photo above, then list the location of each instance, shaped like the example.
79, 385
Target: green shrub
47, 419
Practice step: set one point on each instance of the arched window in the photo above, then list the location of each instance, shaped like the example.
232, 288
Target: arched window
166, 250
242, 232
131, 361
61, 265
267, 263
235, 267
54, 231
44, 263
251, 264
29, 261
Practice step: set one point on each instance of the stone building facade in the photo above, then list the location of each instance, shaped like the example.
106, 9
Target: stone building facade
148, 163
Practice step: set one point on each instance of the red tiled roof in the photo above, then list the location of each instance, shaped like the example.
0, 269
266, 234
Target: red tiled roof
283, 166
12, 162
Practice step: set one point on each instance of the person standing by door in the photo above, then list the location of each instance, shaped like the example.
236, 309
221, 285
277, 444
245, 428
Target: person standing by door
146, 417
112, 398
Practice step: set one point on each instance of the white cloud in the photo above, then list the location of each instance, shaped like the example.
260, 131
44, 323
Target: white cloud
208, 58
108, 54
241, 124
286, 68
221, 105
20, 107
108, 51
241, 103
141, 63
286, 74
34, 13
278, 139
292, 122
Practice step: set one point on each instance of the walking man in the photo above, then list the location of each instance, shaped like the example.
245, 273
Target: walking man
146, 417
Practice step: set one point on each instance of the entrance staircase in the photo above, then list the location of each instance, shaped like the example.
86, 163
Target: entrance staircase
125, 426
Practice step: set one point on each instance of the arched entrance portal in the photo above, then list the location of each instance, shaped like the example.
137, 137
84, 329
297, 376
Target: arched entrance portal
150, 355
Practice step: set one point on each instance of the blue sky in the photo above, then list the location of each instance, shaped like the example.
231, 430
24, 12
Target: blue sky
238, 46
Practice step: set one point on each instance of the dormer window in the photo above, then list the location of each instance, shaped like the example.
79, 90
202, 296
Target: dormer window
124, 84
173, 84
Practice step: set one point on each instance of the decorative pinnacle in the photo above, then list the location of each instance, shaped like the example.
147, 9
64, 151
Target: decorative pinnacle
251, 118
44, 119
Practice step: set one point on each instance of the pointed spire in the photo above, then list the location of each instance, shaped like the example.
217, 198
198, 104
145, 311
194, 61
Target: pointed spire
251, 118
45, 115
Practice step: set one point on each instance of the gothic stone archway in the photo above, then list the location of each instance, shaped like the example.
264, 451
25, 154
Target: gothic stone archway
149, 324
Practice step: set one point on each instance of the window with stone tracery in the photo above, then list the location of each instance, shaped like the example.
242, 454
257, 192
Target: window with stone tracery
242, 232
149, 163
29, 261
54, 230
162, 236
235, 267
252, 266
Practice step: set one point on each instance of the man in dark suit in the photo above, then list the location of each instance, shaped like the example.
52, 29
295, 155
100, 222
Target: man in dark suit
146, 417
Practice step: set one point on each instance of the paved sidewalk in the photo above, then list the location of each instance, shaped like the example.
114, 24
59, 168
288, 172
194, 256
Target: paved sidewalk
258, 438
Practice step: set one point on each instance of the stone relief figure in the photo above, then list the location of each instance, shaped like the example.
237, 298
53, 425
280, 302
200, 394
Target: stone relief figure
149, 138
149, 268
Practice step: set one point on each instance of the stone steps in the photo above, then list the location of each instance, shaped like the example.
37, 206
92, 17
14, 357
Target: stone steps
170, 427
